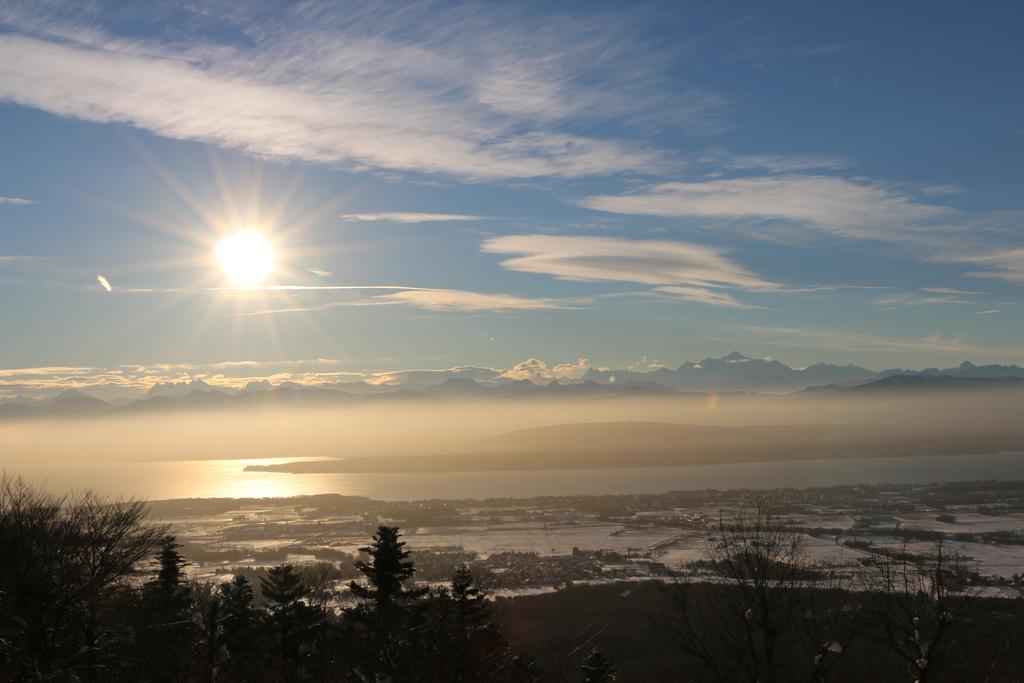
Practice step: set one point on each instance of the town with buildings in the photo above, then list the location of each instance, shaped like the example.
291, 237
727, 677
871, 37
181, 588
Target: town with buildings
543, 544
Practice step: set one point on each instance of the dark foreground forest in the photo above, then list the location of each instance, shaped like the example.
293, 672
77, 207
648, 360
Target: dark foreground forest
90, 590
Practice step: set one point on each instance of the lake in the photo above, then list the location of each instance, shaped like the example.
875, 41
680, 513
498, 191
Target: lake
225, 478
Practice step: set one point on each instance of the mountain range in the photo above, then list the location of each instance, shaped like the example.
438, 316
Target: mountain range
736, 372
733, 373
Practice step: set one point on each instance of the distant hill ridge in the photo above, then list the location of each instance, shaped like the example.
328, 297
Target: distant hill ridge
929, 383
596, 445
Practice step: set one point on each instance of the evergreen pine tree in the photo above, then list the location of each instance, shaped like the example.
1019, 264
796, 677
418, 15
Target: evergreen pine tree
239, 623
386, 572
472, 611
464, 588
282, 587
284, 591
239, 599
391, 612
168, 632
170, 575
209, 617
475, 646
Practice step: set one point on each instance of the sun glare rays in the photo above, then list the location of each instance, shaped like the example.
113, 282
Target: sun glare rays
240, 242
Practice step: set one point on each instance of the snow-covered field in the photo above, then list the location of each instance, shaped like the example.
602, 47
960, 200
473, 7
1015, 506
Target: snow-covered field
690, 550
819, 550
824, 549
966, 522
987, 559
823, 521
549, 541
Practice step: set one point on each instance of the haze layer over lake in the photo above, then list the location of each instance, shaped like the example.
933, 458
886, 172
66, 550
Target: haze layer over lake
203, 454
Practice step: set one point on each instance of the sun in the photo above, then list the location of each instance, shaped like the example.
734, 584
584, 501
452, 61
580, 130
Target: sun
246, 256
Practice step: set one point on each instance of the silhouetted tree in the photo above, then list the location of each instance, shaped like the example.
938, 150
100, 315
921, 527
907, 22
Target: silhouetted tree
918, 603
240, 620
210, 616
321, 579
283, 587
168, 633
462, 642
386, 572
239, 605
390, 612
171, 563
764, 622
284, 590
466, 593
470, 614
63, 562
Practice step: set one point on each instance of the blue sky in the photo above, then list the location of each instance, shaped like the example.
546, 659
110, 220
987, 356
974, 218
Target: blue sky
477, 184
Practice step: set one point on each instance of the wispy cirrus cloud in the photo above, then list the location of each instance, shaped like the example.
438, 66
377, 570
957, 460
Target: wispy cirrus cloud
701, 295
652, 262
798, 207
407, 217
15, 201
22, 261
430, 299
295, 288
1006, 265
927, 296
848, 208
719, 160
460, 300
948, 290
472, 92
812, 338
680, 270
